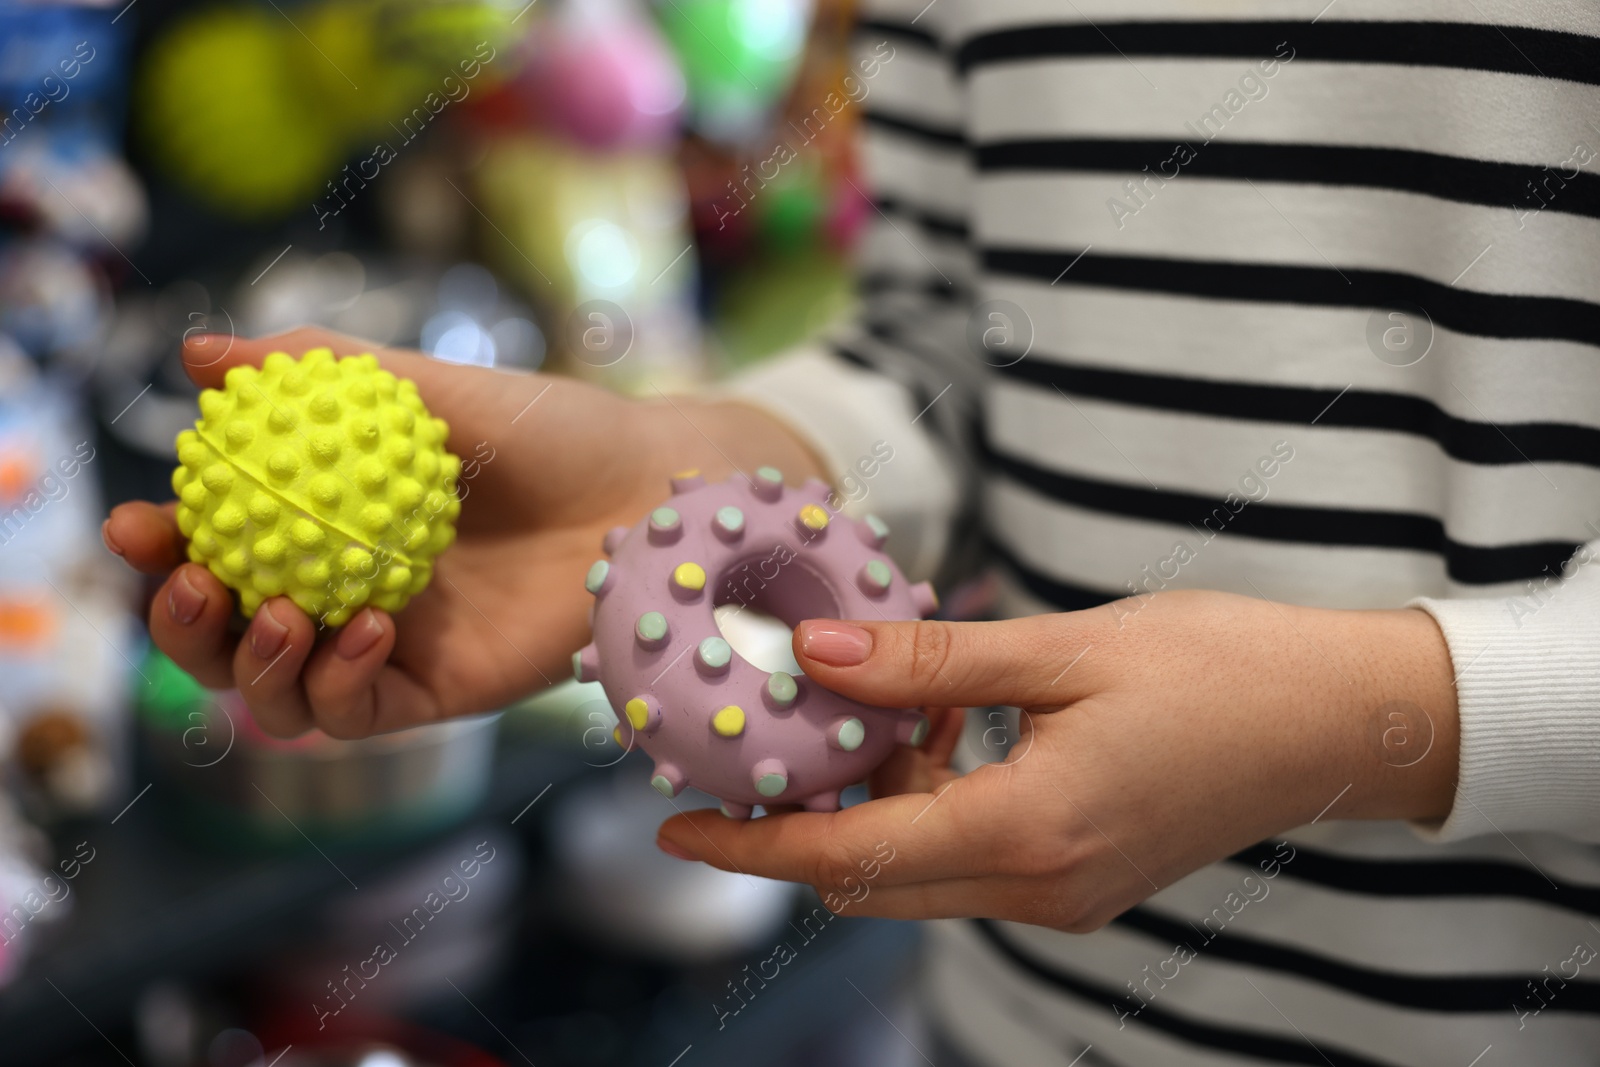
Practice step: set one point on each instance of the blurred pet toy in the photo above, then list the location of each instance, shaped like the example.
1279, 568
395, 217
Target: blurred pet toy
256, 117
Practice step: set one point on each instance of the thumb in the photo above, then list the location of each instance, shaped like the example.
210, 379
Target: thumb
1019, 662
207, 357
464, 395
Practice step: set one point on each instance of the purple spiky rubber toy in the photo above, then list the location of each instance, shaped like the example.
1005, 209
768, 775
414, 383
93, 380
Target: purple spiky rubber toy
709, 717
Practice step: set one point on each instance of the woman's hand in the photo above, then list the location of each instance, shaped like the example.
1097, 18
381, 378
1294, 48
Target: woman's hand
549, 465
1157, 736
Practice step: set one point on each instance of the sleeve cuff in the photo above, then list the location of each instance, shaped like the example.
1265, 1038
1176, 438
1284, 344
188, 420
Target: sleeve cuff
864, 427
1527, 678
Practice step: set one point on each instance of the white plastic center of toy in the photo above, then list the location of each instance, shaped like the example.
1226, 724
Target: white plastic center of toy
763, 640
760, 600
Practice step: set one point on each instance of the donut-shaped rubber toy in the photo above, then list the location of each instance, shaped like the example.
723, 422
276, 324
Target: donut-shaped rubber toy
710, 718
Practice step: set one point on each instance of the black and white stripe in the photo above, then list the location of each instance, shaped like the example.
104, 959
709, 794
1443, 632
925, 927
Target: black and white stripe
1395, 161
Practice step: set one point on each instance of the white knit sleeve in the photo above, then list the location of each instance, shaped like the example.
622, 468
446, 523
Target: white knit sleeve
1528, 686
865, 427
890, 398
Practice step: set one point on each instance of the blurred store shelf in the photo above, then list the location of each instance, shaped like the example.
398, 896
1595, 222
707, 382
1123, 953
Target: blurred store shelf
157, 906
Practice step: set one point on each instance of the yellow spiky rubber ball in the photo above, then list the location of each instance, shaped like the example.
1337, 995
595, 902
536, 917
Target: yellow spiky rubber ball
324, 480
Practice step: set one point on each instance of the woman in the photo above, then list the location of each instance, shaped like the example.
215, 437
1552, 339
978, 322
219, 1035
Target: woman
1277, 324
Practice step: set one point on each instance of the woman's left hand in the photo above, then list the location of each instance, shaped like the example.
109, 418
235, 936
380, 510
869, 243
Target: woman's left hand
1158, 735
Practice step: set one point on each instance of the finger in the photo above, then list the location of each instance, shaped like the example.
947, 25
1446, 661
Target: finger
920, 770
145, 535
354, 690
455, 393
1021, 662
908, 771
341, 679
189, 622
944, 734
208, 357
267, 663
825, 849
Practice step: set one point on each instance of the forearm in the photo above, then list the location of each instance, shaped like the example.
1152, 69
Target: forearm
1309, 713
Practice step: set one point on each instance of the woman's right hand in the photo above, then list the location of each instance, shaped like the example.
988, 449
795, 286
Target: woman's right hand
549, 465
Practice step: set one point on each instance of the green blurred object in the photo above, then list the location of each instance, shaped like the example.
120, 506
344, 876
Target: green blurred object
219, 102
408, 58
257, 115
792, 214
598, 231
568, 714
778, 302
436, 34
738, 57
171, 696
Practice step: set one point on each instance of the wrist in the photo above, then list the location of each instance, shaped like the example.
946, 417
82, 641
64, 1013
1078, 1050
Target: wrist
1399, 721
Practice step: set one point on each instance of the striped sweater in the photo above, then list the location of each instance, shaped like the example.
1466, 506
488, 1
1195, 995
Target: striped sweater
1129, 256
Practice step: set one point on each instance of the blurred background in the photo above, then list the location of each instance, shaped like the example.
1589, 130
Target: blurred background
493, 184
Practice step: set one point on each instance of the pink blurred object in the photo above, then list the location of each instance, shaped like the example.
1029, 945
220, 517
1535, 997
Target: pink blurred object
602, 75
847, 214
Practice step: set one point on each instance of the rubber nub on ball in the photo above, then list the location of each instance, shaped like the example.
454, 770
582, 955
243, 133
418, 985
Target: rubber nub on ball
323, 480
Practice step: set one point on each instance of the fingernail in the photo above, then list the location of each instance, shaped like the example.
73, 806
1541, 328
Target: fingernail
184, 601
105, 535
359, 635
837, 644
267, 634
673, 850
